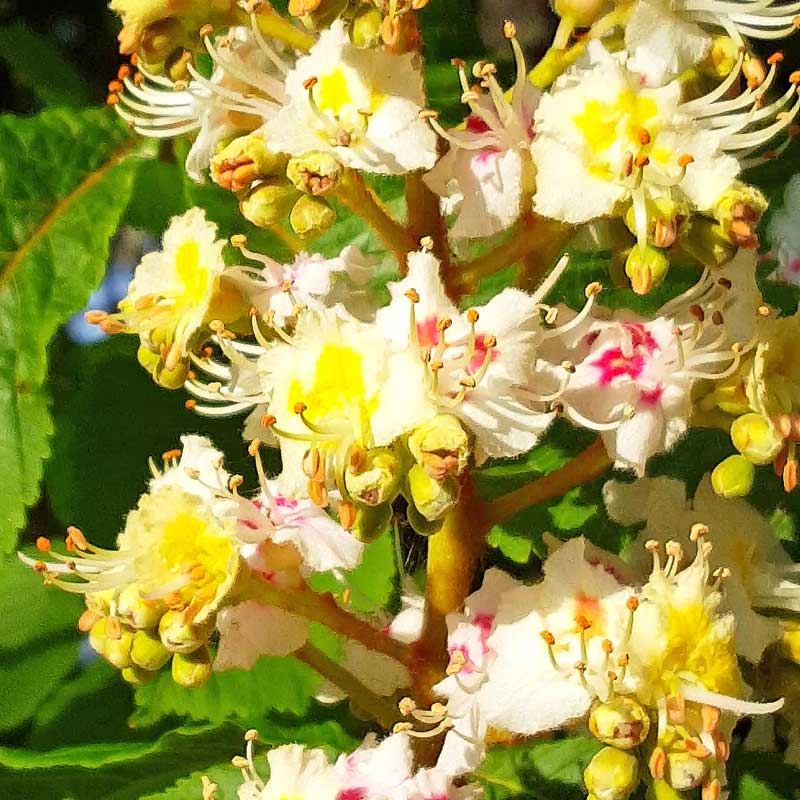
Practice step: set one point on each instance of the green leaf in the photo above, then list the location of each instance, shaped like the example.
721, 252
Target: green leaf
67, 178
538, 770
30, 678
225, 776
33, 61
372, 583
48, 612
273, 685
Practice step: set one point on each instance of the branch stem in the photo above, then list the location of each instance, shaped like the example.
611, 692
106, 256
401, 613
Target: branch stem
276, 26
534, 237
363, 698
425, 219
323, 608
355, 195
585, 467
453, 556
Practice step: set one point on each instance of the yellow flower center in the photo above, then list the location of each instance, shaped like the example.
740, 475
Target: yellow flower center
332, 93
338, 391
191, 273
602, 123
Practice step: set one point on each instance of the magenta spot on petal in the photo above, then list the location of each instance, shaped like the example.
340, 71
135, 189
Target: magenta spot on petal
613, 364
476, 124
476, 362
427, 332
356, 793
591, 338
487, 154
794, 265
649, 397
484, 622
248, 524
285, 502
641, 337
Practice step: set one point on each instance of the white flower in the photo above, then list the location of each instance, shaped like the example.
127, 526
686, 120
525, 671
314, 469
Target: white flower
667, 37
245, 90
604, 143
278, 289
172, 289
555, 642
251, 629
478, 362
361, 105
489, 159
336, 383
759, 575
294, 772
633, 377
377, 771
471, 660
783, 234
437, 784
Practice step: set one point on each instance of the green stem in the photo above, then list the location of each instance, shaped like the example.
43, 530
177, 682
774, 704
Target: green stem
385, 712
355, 195
534, 237
425, 219
453, 556
323, 608
585, 467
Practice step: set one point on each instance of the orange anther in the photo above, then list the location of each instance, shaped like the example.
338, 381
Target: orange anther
711, 790
608, 646
40, 567
632, 603
123, 72
206, 30
43, 544
112, 100
190, 404
170, 454
253, 448
696, 749
582, 622
643, 135
77, 537
472, 316
300, 408
267, 421
685, 160
658, 763
115, 86
548, 638
710, 716
641, 160
775, 58
310, 83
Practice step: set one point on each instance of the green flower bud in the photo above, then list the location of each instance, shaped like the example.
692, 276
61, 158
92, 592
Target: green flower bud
374, 480
160, 39
136, 611
684, 771
245, 160
317, 14
366, 28
440, 446
665, 219
422, 526
118, 651
172, 378
371, 522
269, 204
721, 58
733, 477
738, 212
582, 13
311, 216
611, 774
708, 243
620, 722
98, 637
315, 173
646, 267
755, 438
100, 602
432, 498
136, 676
178, 636
193, 669
661, 790
148, 652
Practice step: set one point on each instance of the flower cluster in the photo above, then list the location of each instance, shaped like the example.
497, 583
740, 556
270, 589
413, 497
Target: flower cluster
382, 381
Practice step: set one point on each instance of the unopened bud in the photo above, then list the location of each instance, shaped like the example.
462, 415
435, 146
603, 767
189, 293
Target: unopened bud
611, 774
192, 669
440, 446
733, 477
148, 652
136, 611
245, 160
432, 498
117, 651
311, 216
684, 771
371, 522
581, 12
160, 39
620, 722
721, 58
738, 211
377, 481
756, 439
366, 28
646, 267
269, 204
180, 637
136, 676
708, 243
315, 173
